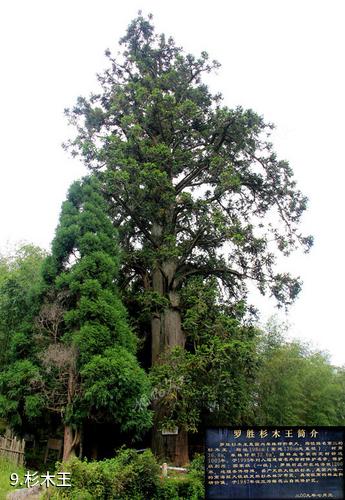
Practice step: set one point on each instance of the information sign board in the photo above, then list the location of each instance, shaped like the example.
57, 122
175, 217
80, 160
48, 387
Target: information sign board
274, 463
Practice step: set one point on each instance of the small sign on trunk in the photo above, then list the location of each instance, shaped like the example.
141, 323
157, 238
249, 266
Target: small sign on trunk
173, 431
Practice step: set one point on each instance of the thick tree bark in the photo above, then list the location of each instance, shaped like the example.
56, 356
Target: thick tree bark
70, 442
166, 326
172, 448
166, 329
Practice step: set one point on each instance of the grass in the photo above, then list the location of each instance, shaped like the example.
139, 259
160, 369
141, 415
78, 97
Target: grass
6, 469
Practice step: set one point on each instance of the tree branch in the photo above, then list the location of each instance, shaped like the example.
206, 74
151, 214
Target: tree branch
190, 269
130, 212
193, 243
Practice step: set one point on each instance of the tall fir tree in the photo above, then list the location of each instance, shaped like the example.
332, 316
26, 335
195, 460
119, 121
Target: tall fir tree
195, 188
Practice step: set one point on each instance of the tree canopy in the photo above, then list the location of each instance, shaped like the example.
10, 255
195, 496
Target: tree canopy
190, 180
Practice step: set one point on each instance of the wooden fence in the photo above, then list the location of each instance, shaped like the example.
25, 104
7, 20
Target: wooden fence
12, 448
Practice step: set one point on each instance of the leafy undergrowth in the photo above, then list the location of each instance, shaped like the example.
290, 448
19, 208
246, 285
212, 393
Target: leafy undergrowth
6, 469
128, 476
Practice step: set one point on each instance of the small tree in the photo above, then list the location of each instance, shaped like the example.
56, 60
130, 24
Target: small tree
194, 187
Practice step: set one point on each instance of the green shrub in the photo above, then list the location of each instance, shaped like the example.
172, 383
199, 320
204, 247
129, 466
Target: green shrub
129, 476
136, 476
82, 495
76, 494
184, 487
180, 488
167, 490
197, 465
86, 476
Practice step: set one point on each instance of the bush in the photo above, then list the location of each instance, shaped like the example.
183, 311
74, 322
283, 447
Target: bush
180, 488
197, 466
82, 495
185, 487
129, 476
136, 475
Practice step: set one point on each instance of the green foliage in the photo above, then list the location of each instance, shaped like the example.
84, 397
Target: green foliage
137, 474
6, 469
181, 488
66, 336
17, 388
297, 386
129, 476
185, 174
197, 465
86, 265
196, 191
20, 287
214, 383
94, 338
111, 385
20, 297
212, 380
88, 478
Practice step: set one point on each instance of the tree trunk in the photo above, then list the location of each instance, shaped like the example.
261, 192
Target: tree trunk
70, 442
71, 436
167, 333
172, 448
166, 326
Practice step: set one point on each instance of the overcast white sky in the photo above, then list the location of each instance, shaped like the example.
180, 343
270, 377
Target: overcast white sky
283, 58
